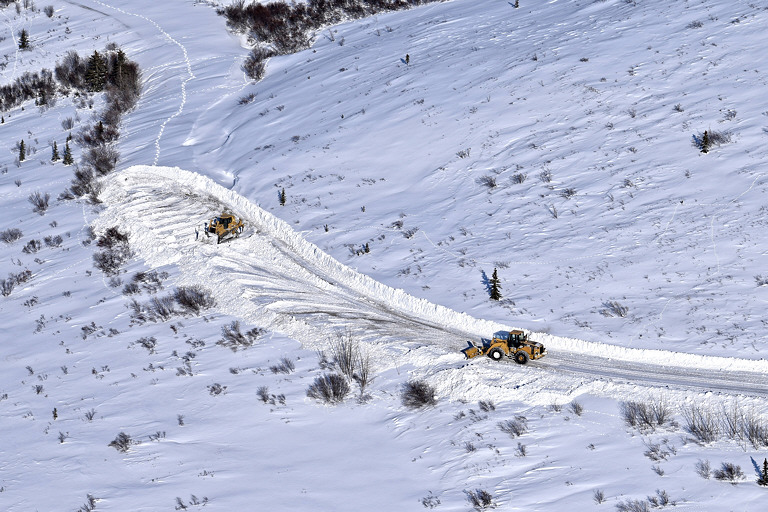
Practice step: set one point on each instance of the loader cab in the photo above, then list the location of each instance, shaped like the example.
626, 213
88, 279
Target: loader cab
516, 338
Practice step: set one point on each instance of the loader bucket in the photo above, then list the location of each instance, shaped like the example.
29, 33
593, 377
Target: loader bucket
472, 351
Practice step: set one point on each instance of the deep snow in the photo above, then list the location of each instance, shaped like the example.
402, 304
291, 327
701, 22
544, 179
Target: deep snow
584, 90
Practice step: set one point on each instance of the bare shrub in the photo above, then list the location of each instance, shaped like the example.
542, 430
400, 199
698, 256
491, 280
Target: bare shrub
53, 240
515, 427
39, 202
131, 289
330, 388
660, 500
701, 423
32, 247
755, 430
729, 472
519, 178
646, 415
598, 496
234, 338
655, 452
115, 251
285, 365
263, 393
703, 469
151, 281
576, 408
487, 181
632, 506
89, 415
10, 235
148, 343
568, 193
216, 389
161, 308
122, 442
48, 10
416, 394
480, 499
614, 308
345, 354
545, 176
486, 405
102, 158
194, 299
7, 285
255, 64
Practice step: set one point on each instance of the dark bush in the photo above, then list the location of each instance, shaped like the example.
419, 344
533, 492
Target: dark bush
514, 428
285, 365
39, 202
160, 309
234, 339
729, 472
281, 28
122, 442
53, 241
32, 247
330, 388
102, 158
417, 393
194, 299
480, 499
115, 253
10, 235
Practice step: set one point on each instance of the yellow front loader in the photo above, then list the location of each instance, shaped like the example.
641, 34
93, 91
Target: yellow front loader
515, 345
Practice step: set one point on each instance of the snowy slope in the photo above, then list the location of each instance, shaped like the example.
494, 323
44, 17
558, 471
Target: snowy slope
490, 92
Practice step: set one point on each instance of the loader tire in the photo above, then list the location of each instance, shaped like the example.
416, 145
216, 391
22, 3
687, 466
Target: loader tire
521, 357
496, 354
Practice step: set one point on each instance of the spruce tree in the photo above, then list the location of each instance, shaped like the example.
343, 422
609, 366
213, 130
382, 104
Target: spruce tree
24, 39
22, 151
67, 155
96, 72
281, 197
705, 142
764, 477
55, 153
495, 286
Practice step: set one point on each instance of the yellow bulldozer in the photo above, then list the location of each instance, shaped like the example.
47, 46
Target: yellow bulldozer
515, 345
225, 225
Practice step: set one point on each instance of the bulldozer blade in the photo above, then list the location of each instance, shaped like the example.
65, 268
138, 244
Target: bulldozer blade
472, 351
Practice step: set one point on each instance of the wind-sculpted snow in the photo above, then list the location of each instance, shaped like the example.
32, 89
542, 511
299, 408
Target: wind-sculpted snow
271, 276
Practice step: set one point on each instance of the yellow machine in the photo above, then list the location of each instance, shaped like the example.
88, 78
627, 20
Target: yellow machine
224, 225
516, 346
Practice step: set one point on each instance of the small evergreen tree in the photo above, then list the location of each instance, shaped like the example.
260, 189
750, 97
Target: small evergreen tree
517, 4
763, 480
23, 39
96, 72
281, 197
705, 142
55, 153
68, 160
495, 286
22, 151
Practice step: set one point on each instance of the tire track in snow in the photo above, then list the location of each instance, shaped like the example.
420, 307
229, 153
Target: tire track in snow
274, 278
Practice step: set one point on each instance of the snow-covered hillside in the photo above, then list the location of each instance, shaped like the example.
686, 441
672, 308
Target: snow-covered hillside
554, 142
